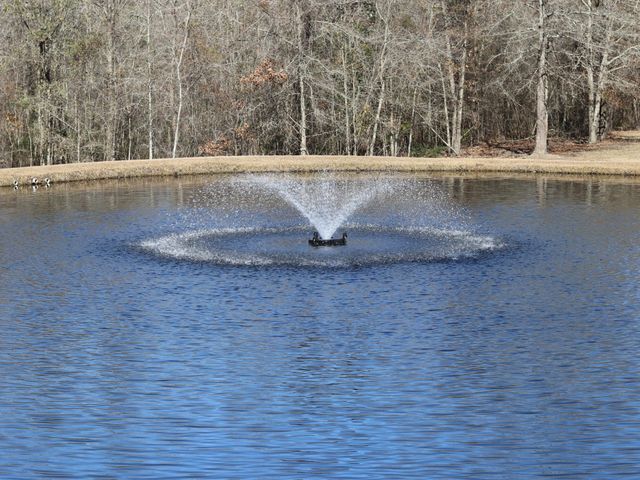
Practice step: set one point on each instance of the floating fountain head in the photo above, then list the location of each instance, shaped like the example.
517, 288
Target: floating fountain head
316, 241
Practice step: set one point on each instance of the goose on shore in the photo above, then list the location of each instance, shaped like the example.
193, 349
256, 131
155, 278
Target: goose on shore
34, 181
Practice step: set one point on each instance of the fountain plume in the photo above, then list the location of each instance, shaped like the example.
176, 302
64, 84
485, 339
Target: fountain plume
325, 201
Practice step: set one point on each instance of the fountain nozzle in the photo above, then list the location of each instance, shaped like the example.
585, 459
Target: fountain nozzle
317, 241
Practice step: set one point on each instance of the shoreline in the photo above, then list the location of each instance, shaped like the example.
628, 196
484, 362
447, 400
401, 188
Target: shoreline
619, 156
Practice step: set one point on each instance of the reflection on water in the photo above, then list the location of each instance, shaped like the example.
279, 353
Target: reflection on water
519, 364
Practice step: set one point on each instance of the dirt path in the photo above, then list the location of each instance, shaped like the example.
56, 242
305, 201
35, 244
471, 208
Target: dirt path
618, 156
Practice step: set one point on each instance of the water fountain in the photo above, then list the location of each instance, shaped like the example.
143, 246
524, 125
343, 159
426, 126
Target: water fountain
256, 220
326, 200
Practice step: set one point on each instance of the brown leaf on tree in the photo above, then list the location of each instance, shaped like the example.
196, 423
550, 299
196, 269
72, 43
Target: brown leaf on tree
265, 73
213, 148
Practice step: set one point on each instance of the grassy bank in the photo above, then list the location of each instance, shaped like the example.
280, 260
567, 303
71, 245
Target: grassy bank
619, 156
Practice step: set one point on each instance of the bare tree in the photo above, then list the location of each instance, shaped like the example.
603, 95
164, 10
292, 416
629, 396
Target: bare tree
301, 39
150, 79
178, 59
456, 50
542, 89
385, 18
609, 35
87, 80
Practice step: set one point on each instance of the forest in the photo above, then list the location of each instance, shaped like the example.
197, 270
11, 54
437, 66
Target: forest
95, 80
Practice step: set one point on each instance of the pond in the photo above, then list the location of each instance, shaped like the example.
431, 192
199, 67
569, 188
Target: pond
472, 327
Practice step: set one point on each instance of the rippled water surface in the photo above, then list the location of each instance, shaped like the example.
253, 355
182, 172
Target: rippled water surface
471, 329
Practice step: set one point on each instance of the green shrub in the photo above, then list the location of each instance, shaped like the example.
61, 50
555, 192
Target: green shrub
429, 151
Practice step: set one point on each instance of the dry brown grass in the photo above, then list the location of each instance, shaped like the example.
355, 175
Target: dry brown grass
618, 156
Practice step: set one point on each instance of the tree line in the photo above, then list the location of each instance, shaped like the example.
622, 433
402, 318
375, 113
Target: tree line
92, 80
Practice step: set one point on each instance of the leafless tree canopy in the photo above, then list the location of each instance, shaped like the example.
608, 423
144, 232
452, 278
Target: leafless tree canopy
90, 80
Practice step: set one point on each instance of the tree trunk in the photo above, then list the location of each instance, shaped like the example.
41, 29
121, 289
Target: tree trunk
413, 119
445, 106
456, 86
303, 118
354, 114
597, 84
595, 106
345, 85
376, 122
456, 140
542, 91
183, 47
43, 93
301, 92
78, 131
590, 62
149, 84
110, 140
381, 73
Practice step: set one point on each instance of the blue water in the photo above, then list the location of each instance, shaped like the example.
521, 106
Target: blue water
520, 361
